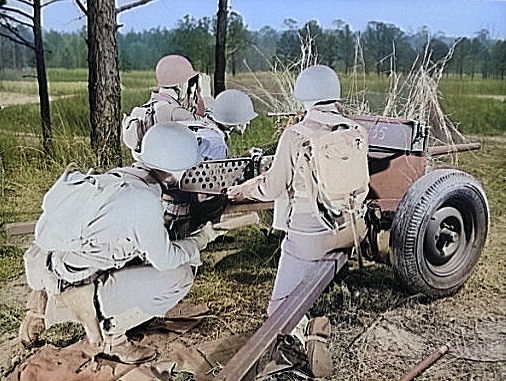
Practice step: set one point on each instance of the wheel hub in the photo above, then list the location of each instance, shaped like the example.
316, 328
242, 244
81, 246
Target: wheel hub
444, 236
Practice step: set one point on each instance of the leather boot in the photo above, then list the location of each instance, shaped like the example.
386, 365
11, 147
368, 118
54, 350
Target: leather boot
33, 324
317, 345
81, 301
121, 349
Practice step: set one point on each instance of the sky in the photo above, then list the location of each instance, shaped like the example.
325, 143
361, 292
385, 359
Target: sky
452, 18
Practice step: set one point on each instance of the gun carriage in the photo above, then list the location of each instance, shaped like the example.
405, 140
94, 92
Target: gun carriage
437, 219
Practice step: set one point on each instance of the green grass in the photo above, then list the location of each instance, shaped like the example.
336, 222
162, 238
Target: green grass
10, 317
131, 97
237, 287
469, 87
11, 262
70, 116
67, 75
137, 79
260, 133
489, 165
20, 118
476, 116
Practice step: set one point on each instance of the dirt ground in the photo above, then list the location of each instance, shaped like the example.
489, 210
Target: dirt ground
9, 99
370, 345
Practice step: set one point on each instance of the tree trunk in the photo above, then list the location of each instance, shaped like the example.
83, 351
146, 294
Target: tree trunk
221, 40
104, 83
45, 111
234, 70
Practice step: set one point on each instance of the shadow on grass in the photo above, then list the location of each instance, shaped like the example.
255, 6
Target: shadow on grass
358, 294
253, 255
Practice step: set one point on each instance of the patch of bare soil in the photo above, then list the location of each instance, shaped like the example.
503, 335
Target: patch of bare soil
501, 98
399, 339
10, 99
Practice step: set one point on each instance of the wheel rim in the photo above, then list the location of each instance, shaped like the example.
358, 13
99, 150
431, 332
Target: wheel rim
445, 240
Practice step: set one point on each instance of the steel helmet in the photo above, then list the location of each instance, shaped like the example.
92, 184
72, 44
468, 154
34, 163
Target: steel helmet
316, 84
233, 107
170, 147
173, 70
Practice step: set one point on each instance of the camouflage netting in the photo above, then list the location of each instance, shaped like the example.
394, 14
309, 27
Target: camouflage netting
417, 97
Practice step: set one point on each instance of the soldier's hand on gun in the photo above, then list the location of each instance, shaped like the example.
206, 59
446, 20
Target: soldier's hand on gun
235, 193
207, 234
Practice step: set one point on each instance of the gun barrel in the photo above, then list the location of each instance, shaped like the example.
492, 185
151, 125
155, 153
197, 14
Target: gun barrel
453, 148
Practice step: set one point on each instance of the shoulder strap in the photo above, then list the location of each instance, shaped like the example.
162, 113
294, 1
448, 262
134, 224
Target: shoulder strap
138, 173
165, 99
303, 153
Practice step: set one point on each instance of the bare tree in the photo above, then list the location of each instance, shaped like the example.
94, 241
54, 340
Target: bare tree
13, 21
104, 87
221, 42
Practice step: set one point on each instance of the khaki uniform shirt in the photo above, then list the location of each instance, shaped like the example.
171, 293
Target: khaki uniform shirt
299, 213
130, 223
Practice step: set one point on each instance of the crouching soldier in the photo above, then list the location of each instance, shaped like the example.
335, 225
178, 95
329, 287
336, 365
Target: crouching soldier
101, 254
232, 111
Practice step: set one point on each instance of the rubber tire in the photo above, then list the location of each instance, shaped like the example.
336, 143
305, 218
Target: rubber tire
438, 232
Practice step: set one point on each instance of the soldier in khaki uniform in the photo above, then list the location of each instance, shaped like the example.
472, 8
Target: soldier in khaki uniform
307, 239
105, 259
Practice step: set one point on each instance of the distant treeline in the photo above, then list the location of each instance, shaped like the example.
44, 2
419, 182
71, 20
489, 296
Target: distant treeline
378, 49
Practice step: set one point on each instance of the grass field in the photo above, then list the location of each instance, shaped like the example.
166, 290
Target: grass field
237, 274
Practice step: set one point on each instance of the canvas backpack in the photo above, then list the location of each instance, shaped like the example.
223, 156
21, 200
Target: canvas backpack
337, 161
141, 118
135, 125
72, 202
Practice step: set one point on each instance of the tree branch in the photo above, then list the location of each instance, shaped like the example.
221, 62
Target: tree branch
132, 5
49, 3
18, 11
26, 2
82, 7
15, 20
15, 38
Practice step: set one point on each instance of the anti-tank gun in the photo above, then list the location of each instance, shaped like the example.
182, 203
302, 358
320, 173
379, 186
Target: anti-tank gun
437, 218
438, 222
